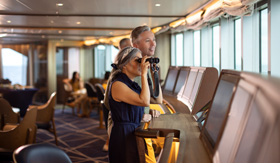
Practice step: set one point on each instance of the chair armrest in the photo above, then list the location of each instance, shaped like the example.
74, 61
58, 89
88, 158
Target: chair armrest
141, 132
8, 127
40, 107
166, 148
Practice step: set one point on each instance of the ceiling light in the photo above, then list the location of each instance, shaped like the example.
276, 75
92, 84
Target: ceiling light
177, 23
90, 42
155, 30
78, 22
193, 18
157, 5
59, 31
52, 21
59, 4
9, 21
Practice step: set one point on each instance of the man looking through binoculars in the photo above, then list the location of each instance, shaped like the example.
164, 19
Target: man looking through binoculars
144, 39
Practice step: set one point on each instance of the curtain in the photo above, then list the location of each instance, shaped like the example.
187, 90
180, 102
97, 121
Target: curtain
215, 10
195, 21
236, 8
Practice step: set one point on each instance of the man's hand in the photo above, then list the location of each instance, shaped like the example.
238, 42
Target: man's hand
146, 118
154, 113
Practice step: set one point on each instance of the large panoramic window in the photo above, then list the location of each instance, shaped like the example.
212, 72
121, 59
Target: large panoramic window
264, 41
216, 46
196, 50
114, 53
14, 69
179, 49
237, 44
59, 61
104, 56
99, 57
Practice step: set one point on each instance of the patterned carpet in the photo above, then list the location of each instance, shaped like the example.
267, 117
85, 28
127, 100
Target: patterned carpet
80, 138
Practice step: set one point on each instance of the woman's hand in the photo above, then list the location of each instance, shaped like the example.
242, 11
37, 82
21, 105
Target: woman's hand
144, 66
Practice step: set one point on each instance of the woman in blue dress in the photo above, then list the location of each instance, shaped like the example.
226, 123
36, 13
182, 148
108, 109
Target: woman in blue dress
127, 101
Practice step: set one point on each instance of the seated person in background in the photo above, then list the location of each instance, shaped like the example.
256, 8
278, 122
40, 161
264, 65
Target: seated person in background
127, 101
76, 84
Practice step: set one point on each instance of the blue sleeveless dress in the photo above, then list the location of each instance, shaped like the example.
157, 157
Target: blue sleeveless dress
126, 118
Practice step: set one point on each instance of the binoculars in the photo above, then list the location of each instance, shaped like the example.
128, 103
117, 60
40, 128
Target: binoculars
151, 60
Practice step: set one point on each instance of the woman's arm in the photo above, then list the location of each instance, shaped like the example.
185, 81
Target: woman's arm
67, 82
122, 93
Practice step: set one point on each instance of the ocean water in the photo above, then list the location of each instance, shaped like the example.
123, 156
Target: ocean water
16, 74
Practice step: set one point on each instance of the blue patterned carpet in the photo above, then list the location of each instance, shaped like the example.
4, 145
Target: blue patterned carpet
80, 138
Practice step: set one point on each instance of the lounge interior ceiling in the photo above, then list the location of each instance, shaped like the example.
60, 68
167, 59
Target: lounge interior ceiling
38, 20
